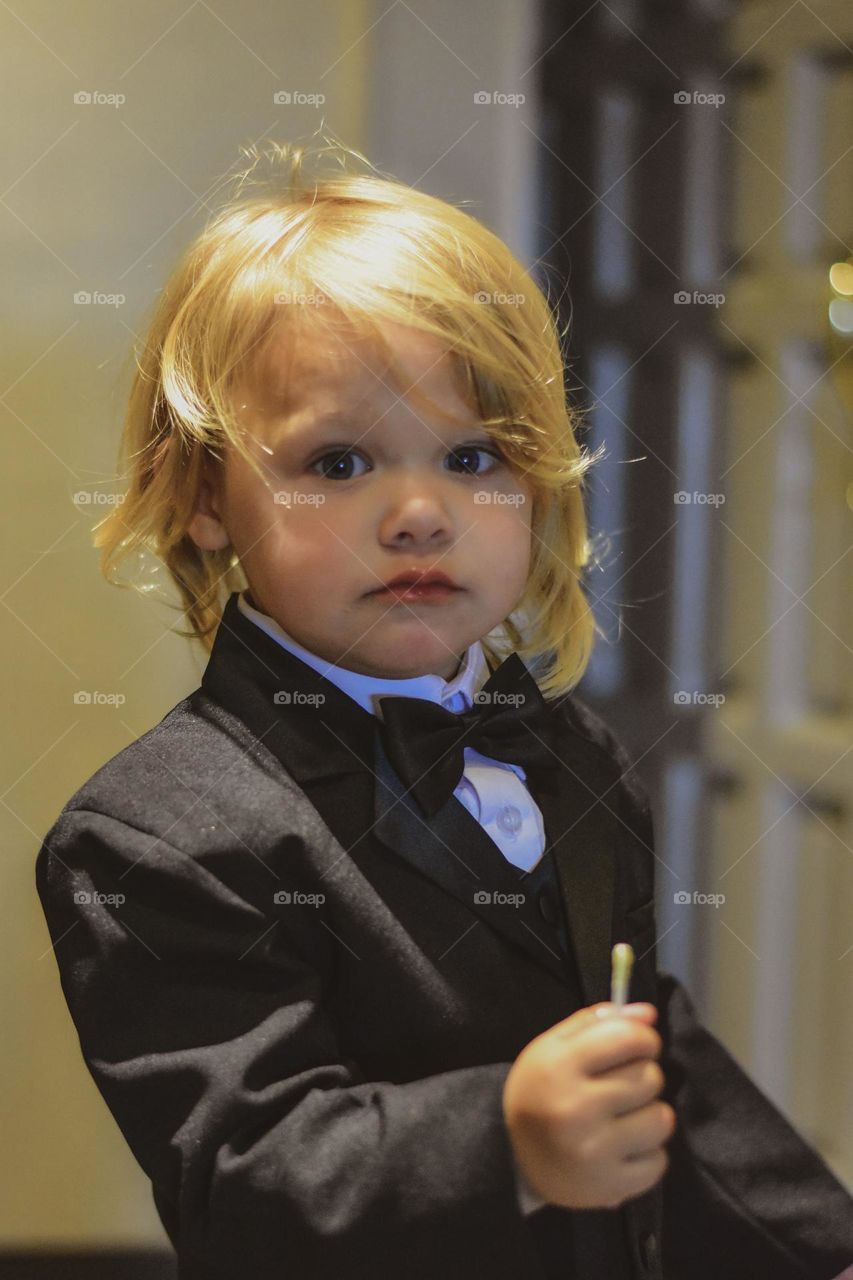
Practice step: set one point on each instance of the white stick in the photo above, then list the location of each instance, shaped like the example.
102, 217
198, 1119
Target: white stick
622, 962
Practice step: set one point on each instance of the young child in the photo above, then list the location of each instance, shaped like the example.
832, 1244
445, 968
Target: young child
336, 933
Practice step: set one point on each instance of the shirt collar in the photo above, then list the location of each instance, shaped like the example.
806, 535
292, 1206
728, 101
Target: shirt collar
456, 694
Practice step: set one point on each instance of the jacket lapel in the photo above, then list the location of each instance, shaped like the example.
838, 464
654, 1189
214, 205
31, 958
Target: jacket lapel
580, 829
324, 741
454, 851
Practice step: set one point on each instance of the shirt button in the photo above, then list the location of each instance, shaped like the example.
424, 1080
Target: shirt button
509, 820
547, 908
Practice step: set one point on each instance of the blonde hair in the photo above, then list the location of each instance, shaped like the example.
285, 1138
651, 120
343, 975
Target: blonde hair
378, 250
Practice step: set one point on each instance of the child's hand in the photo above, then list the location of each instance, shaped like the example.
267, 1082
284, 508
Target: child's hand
580, 1106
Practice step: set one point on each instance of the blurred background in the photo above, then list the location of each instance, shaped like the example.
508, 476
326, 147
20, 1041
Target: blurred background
679, 176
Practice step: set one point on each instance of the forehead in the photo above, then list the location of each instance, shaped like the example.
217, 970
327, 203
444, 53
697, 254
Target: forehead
327, 365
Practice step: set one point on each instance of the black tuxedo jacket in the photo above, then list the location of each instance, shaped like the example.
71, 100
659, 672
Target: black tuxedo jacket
301, 1012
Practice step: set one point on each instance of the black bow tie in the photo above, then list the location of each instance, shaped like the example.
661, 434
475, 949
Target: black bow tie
425, 742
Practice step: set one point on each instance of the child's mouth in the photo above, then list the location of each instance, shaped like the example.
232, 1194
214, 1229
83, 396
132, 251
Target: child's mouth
427, 593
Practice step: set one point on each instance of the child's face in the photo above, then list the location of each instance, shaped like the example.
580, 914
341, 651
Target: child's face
399, 494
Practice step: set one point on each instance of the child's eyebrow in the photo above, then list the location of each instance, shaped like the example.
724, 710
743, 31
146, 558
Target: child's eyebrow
305, 431
343, 418
334, 418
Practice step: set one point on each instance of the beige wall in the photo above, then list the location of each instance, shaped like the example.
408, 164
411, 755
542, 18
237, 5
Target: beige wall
100, 198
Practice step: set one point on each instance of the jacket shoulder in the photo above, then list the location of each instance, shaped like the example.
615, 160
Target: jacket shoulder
196, 774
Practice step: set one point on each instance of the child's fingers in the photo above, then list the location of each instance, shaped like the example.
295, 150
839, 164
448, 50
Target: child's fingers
594, 1013
641, 1010
601, 1037
613, 1042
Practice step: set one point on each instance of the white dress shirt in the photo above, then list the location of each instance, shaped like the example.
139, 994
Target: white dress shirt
493, 791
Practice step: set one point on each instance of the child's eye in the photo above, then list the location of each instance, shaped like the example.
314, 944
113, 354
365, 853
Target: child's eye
468, 449
339, 456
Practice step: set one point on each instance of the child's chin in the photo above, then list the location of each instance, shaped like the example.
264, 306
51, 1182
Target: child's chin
437, 660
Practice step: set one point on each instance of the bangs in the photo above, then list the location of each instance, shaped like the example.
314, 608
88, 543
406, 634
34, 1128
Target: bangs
350, 266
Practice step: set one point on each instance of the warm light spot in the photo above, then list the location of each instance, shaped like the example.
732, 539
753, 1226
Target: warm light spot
841, 277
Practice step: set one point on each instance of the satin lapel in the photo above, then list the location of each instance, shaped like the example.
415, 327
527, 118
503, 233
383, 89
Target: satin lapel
580, 827
454, 851
583, 832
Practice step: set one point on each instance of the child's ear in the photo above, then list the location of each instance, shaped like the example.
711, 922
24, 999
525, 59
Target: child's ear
207, 528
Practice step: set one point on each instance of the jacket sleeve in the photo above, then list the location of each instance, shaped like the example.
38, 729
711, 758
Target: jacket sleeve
745, 1197
269, 1153
744, 1194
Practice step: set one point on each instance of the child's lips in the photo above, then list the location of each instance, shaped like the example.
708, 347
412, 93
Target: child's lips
424, 593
